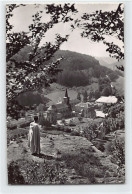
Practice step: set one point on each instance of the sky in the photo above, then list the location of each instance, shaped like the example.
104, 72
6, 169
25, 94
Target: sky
22, 18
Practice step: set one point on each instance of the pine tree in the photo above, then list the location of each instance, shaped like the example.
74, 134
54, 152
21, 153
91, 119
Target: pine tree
85, 95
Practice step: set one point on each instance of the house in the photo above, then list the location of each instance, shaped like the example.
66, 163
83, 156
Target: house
107, 100
86, 109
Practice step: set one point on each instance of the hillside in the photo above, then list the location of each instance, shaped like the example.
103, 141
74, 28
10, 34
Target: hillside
107, 62
77, 69
111, 63
58, 160
81, 70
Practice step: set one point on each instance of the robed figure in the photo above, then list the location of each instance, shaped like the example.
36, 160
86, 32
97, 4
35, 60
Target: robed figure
34, 137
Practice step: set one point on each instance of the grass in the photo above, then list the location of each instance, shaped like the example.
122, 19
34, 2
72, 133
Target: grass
16, 133
85, 165
54, 96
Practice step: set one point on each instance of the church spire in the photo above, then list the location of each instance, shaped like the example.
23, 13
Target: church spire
66, 98
66, 94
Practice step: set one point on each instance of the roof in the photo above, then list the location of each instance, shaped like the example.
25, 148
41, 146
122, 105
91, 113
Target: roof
52, 107
100, 114
107, 99
61, 105
84, 105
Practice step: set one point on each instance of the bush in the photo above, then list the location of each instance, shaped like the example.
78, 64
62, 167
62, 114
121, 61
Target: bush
31, 173
26, 124
90, 132
100, 146
12, 127
14, 175
116, 148
68, 130
13, 134
75, 133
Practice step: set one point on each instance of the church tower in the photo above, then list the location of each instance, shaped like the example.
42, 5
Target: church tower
66, 98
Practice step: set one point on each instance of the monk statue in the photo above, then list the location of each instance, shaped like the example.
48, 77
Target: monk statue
34, 137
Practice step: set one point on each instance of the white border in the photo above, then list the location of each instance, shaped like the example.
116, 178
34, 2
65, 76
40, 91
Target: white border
93, 189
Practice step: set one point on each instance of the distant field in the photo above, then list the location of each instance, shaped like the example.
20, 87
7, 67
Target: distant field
58, 95
56, 92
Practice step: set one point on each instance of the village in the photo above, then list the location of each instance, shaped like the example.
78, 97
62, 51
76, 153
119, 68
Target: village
69, 127
73, 114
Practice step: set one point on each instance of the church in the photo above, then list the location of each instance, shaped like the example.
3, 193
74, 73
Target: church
60, 110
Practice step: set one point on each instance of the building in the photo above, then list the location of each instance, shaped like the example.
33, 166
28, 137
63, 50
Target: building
60, 110
86, 109
107, 100
100, 114
51, 114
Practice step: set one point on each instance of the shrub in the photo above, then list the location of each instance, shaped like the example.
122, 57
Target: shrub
68, 130
116, 148
13, 134
31, 173
26, 124
12, 127
100, 146
14, 175
75, 133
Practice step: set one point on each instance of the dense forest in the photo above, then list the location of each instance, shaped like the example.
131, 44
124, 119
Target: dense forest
81, 70
75, 69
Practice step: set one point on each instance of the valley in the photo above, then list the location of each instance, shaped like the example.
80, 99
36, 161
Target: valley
72, 140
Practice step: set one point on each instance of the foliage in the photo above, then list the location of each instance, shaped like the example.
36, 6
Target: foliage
107, 91
75, 133
29, 99
113, 124
71, 78
115, 119
96, 94
117, 149
26, 124
46, 123
41, 119
66, 129
14, 175
100, 146
79, 96
31, 74
79, 69
105, 86
82, 164
98, 25
31, 173
90, 131
12, 126
115, 110
85, 95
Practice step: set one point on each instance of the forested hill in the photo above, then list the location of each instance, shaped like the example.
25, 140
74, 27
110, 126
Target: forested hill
78, 69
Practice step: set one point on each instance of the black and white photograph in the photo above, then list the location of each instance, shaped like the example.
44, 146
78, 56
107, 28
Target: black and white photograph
65, 99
